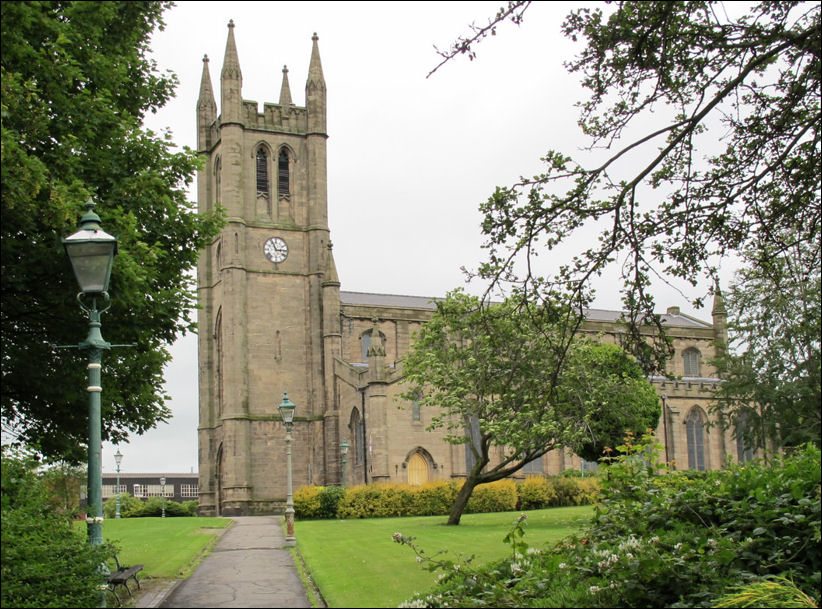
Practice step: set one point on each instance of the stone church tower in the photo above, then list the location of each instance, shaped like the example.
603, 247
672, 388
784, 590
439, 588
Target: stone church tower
268, 290
273, 319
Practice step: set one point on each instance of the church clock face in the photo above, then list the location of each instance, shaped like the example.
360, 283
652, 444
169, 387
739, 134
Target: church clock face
275, 249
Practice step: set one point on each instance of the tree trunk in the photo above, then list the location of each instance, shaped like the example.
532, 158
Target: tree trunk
462, 500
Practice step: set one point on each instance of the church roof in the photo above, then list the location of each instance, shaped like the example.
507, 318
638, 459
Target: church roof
429, 303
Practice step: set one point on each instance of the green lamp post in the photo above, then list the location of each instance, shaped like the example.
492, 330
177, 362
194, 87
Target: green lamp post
118, 459
287, 413
91, 252
344, 446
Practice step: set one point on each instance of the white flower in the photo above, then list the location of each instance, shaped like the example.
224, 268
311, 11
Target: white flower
456, 567
654, 539
562, 565
629, 556
533, 551
419, 558
678, 547
594, 589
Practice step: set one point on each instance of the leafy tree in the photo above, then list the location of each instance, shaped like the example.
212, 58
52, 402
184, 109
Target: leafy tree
76, 84
606, 382
509, 376
772, 370
65, 483
730, 163
45, 562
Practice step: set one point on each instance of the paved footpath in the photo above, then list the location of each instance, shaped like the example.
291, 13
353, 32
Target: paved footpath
249, 567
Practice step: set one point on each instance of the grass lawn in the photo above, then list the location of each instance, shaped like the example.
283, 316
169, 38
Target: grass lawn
169, 548
355, 563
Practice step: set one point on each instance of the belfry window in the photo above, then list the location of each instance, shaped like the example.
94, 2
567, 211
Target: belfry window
262, 173
283, 186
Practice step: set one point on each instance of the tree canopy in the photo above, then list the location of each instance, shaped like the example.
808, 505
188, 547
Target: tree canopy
76, 84
771, 393
511, 383
730, 162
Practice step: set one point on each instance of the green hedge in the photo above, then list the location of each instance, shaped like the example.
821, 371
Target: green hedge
131, 507
437, 497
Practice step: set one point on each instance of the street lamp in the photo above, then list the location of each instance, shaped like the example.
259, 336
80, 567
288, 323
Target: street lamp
163, 493
344, 452
118, 459
287, 413
91, 252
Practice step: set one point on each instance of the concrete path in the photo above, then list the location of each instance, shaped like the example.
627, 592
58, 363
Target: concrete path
249, 567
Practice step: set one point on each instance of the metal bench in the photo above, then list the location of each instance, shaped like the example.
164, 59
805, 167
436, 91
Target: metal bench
121, 576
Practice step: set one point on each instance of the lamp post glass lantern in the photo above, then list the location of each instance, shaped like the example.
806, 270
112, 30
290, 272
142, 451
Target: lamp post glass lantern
118, 459
91, 252
344, 446
286, 408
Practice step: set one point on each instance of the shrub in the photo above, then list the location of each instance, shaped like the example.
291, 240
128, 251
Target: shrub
498, 496
128, 505
45, 563
376, 501
307, 502
329, 501
778, 592
535, 493
131, 507
673, 540
191, 507
433, 498
567, 491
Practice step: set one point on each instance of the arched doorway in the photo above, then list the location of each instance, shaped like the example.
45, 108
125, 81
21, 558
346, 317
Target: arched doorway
417, 470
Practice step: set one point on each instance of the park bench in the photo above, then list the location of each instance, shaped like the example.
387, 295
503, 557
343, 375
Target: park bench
121, 576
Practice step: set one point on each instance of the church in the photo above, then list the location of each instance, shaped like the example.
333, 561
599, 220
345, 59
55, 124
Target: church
274, 319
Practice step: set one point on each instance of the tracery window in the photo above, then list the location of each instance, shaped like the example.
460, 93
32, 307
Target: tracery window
695, 430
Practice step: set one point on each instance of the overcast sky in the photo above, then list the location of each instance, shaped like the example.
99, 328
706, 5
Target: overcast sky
409, 158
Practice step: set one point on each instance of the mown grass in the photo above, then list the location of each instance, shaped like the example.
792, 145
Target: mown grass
355, 563
168, 548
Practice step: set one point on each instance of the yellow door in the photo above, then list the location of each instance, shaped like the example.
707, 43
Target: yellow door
417, 470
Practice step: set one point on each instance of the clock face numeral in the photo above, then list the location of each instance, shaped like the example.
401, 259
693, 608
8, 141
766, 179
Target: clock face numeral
275, 249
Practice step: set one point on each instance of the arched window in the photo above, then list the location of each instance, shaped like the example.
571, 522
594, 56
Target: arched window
696, 440
415, 411
365, 339
262, 172
356, 428
366, 342
218, 180
690, 358
283, 177
218, 342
